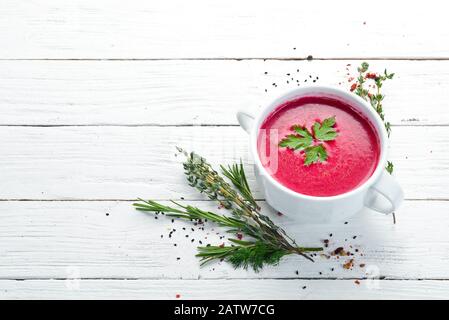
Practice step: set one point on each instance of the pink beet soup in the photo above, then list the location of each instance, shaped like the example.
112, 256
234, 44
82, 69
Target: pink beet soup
352, 156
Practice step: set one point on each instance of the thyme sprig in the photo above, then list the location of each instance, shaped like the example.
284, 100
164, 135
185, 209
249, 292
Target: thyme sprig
268, 242
374, 97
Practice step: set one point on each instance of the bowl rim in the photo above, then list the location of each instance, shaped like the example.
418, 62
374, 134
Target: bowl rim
332, 92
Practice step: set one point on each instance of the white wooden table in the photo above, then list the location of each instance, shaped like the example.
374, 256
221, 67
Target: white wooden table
94, 95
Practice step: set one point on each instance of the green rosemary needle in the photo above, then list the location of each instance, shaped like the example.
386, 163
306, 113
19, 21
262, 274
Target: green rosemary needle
374, 98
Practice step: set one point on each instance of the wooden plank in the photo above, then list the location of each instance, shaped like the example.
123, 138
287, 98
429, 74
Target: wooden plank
223, 289
128, 162
42, 240
197, 92
220, 29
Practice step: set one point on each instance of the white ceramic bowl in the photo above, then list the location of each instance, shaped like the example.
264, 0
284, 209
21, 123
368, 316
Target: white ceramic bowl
324, 209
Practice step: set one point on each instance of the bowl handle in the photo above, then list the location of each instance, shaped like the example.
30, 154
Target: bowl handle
390, 189
246, 120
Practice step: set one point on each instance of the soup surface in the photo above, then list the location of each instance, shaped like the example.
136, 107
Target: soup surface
352, 156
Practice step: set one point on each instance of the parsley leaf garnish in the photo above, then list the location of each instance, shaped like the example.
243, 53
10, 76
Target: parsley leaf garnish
303, 140
325, 130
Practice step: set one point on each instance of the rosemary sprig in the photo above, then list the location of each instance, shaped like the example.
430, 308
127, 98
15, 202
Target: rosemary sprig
268, 244
375, 98
241, 253
203, 177
192, 213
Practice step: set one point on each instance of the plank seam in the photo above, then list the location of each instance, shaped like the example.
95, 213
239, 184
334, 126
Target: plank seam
219, 279
307, 58
171, 125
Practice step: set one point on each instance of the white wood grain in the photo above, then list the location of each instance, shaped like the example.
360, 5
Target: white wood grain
197, 92
223, 289
129, 162
45, 240
219, 29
